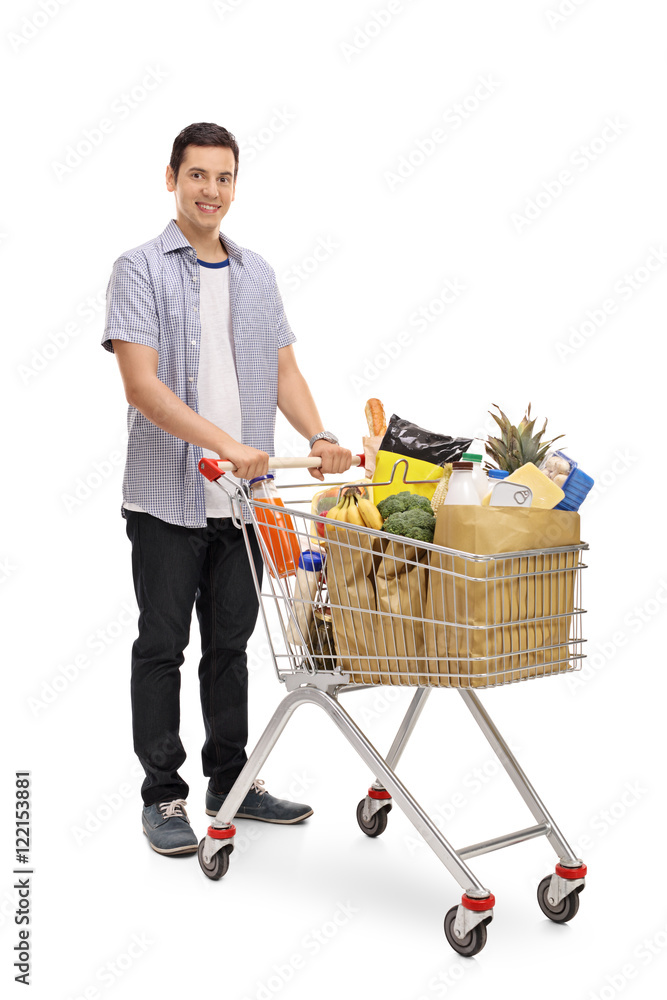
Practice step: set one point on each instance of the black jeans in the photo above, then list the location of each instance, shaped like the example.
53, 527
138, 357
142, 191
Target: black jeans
174, 568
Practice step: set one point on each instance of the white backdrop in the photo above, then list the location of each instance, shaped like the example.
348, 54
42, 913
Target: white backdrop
464, 204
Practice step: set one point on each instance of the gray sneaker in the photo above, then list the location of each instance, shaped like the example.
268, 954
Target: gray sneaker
168, 829
260, 804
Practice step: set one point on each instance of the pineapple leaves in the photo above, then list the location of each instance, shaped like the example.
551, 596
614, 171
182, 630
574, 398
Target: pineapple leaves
518, 445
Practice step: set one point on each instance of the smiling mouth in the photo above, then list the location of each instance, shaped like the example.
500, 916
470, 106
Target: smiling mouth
204, 206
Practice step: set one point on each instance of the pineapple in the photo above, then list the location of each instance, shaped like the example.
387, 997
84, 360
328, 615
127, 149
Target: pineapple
517, 445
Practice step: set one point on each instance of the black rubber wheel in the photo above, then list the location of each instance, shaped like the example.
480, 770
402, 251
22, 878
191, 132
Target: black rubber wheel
474, 940
219, 863
377, 823
565, 910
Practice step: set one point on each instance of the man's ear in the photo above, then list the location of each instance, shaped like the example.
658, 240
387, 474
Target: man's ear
169, 177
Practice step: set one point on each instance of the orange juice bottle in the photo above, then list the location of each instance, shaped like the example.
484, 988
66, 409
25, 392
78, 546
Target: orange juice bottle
276, 528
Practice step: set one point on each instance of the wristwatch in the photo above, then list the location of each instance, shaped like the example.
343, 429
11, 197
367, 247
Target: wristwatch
323, 436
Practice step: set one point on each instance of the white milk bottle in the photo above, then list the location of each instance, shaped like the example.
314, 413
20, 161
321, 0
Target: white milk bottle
462, 490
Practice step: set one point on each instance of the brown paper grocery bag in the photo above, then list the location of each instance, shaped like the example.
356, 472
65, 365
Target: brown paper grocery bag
402, 581
352, 560
499, 615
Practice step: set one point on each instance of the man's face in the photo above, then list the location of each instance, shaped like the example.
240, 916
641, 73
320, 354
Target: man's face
205, 188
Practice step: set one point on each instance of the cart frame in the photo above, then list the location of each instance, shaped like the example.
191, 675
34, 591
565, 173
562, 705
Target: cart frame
465, 923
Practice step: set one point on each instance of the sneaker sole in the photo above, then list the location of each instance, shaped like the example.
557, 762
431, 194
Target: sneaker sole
281, 822
174, 850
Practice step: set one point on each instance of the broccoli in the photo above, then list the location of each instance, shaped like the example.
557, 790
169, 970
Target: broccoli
416, 501
392, 505
421, 534
399, 502
416, 523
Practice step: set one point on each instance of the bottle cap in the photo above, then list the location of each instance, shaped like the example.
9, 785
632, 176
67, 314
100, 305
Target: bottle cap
470, 456
311, 561
498, 473
462, 466
260, 479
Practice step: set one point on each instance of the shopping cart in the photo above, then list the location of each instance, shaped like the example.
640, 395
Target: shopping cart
389, 610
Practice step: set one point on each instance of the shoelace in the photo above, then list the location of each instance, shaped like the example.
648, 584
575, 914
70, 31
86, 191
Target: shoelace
174, 808
258, 786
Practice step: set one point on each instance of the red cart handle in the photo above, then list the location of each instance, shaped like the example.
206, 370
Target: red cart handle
213, 468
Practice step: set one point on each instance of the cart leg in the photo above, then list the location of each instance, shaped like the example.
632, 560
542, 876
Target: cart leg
565, 853
474, 890
378, 798
212, 843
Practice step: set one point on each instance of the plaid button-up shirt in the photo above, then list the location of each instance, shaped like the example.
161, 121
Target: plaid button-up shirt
153, 299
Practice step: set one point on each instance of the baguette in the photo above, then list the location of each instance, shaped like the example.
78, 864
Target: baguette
377, 422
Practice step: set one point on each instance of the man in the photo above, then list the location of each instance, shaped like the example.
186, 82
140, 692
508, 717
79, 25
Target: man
205, 354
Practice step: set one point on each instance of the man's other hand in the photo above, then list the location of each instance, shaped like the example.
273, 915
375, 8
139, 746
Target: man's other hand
334, 459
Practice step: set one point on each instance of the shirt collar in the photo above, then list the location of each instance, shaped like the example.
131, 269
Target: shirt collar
173, 239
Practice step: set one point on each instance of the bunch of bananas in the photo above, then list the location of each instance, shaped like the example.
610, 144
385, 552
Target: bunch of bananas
353, 508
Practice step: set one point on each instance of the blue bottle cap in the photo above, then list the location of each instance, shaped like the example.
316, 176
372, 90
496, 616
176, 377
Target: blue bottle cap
311, 561
260, 479
498, 473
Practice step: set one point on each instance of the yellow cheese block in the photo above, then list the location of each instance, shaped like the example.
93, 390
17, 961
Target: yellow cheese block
545, 492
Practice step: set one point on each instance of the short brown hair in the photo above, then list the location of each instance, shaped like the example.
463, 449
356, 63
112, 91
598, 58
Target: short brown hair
202, 134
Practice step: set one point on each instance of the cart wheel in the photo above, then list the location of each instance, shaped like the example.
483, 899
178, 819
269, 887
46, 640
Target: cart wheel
377, 824
565, 910
218, 864
472, 943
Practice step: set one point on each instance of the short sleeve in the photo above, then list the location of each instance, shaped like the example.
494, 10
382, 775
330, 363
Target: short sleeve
131, 312
284, 333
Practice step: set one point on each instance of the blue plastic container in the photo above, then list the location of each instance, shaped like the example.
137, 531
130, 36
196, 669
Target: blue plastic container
576, 487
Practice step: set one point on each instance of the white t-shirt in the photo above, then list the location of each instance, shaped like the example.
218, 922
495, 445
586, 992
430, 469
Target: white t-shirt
217, 384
